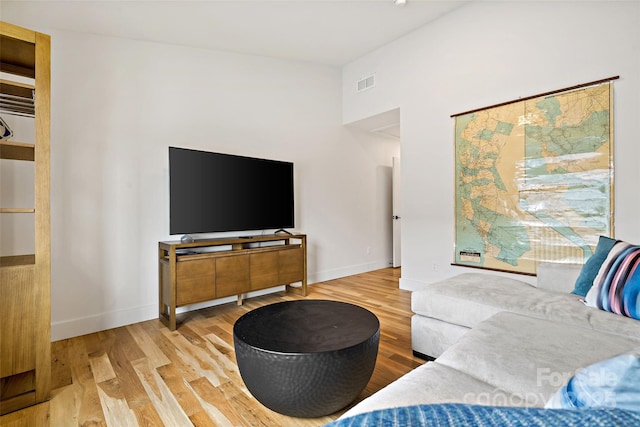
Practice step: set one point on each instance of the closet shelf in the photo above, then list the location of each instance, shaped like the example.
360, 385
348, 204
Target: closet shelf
17, 210
18, 52
17, 150
17, 260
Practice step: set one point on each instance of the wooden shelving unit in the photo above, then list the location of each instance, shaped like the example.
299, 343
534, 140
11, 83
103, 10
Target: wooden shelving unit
209, 269
25, 311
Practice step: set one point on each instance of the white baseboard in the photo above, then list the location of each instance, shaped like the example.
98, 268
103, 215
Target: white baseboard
70, 328
114, 319
99, 322
323, 276
411, 284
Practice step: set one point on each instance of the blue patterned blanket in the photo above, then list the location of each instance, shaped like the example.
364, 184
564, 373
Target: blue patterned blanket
454, 414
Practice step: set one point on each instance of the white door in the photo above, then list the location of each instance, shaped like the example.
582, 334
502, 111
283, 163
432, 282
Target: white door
396, 201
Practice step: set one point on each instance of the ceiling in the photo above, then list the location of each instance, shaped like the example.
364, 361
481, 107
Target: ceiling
330, 32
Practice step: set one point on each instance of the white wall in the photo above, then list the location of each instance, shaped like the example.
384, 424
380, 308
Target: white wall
118, 104
482, 54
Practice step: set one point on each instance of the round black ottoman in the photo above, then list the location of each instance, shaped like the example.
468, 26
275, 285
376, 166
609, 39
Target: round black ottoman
306, 358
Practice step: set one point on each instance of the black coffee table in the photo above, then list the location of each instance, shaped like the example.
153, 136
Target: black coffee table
306, 358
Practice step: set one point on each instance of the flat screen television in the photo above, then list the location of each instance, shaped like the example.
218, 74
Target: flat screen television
215, 192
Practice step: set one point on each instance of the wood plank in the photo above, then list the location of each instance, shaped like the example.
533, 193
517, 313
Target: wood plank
199, 360
165, 343
121, 351
151, 351
160, 396
217, 403
147, 416
101, 368
85, 392
180, 389
116, 410
65, 411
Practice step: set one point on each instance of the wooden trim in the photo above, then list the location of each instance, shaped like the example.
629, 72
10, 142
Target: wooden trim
43, 216
493, 269
16, 32
566, 89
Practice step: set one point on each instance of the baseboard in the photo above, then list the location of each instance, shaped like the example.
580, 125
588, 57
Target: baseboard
114, 319
323, 276
99, 322
411, 284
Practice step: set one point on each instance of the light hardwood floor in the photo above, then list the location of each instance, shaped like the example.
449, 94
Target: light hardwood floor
145, 375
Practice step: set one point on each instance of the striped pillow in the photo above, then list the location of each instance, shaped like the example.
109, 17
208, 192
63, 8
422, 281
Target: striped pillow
616, 287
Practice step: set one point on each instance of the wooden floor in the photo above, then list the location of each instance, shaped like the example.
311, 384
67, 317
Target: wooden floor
145, 375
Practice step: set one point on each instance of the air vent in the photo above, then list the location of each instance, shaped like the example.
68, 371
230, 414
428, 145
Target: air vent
366, 82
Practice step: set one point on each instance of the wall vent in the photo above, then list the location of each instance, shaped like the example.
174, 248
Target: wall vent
366, 83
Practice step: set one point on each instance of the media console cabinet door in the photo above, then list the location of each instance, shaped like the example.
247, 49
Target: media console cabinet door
232, 275
264, 270
185, 278
291, 263
196, 281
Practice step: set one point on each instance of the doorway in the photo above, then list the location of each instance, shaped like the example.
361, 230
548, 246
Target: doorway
384, 130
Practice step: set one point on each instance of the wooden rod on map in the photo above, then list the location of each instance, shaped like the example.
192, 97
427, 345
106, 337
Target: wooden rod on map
566, 89
455, 264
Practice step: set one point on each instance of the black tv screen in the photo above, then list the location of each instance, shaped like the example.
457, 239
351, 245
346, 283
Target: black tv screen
214, 192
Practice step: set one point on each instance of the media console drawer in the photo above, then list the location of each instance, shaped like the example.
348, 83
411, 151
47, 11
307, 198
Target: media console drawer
195, 281
205, 270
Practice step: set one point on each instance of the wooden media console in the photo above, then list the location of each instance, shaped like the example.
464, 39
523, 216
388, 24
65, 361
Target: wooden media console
209, 269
